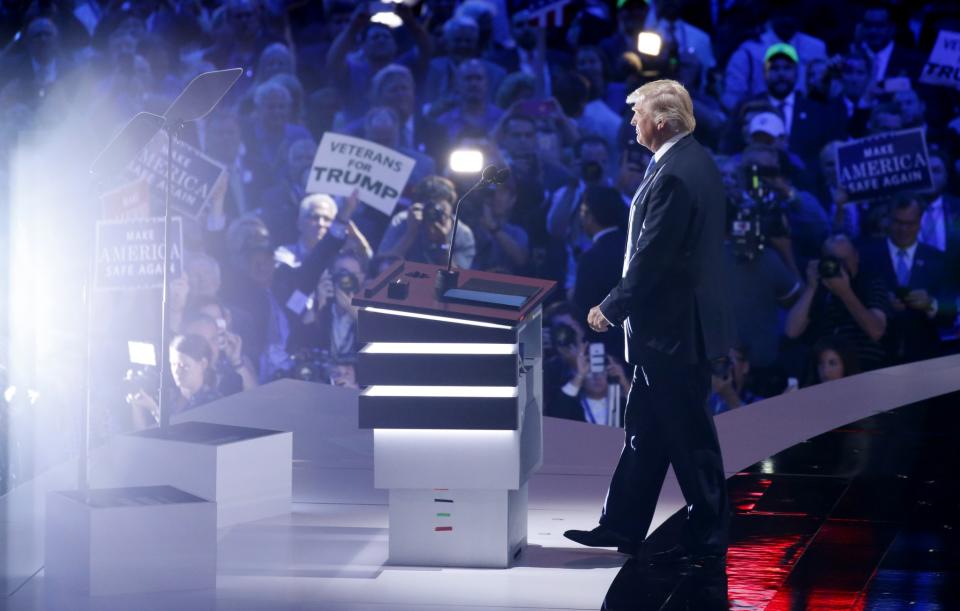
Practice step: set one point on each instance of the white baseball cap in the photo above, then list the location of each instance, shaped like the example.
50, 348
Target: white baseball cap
769, 123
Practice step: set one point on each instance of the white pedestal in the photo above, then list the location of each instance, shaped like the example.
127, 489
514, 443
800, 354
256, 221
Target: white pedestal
247, 472
126, 540
473, 528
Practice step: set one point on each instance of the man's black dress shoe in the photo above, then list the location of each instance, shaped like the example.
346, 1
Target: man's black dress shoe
602, 536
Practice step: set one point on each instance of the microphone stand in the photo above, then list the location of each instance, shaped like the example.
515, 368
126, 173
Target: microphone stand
448, 278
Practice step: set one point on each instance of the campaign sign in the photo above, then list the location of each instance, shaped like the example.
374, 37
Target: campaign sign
130, 253
193, 175
885, 164
129, 201
344, 164
943, 66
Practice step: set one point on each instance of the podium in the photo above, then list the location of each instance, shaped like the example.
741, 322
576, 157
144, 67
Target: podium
452, 389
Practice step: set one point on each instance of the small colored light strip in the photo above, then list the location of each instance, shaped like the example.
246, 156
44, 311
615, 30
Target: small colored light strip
443, 515
458, 321
438, 348
443, 528
460, 392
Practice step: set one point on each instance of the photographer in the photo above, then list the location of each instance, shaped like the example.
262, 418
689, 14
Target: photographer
235, 372
564, 358
807, 223
842, 299
333, 328
422, 233
730, 386
274, 296
191, 365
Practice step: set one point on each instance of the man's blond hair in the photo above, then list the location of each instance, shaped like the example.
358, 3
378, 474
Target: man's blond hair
668, 102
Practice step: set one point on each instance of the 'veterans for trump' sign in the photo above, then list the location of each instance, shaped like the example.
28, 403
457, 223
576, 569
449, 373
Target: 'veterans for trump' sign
130, 253
943, 67
344, 164
884, 164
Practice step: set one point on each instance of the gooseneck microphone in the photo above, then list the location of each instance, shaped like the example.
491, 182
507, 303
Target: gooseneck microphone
447, 278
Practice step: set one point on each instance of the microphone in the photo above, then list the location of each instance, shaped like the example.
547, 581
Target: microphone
447, 278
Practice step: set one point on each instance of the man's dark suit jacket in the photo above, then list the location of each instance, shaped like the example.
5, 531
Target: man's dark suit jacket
598, 271
912, 335
252, 302
670, 300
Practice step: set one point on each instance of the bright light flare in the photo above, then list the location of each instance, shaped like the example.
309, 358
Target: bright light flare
466, 161
387, 18
649, 43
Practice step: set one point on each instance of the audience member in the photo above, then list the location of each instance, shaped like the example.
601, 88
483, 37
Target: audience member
916, 276
832, 359
422, 233
501, 245
473, 109
843, 298
731, 387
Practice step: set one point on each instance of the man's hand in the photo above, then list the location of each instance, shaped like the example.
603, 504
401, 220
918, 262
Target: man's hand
596, 320
349, 207
839, 285
918, 299
414, 218
233, 349
813, 273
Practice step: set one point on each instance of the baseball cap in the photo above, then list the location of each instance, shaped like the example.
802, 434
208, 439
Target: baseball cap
781, 48
769, 123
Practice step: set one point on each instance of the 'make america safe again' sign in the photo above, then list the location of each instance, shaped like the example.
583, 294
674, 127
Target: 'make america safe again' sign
192, 175
344, 164
130, 253
883, 165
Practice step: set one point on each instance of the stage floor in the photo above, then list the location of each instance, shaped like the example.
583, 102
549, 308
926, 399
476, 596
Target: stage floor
860, 511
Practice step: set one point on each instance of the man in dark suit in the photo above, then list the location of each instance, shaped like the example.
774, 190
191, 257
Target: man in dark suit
670, 302
602, 216
916, 275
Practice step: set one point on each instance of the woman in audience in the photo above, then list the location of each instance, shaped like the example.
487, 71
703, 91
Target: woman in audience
194, 375
832, 359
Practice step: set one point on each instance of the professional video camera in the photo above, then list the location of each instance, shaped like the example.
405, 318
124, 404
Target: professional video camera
757, 216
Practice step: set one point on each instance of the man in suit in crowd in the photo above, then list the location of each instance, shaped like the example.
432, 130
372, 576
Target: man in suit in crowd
670, 302
916, 275
602, 216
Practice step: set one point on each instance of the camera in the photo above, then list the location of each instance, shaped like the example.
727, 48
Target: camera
434, 212
757, 216
346, 281
829, 266
141, 378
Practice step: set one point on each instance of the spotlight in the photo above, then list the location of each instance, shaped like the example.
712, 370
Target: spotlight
466, 161
649, 43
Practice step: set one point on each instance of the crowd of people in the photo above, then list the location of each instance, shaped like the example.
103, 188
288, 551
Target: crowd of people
829, 287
